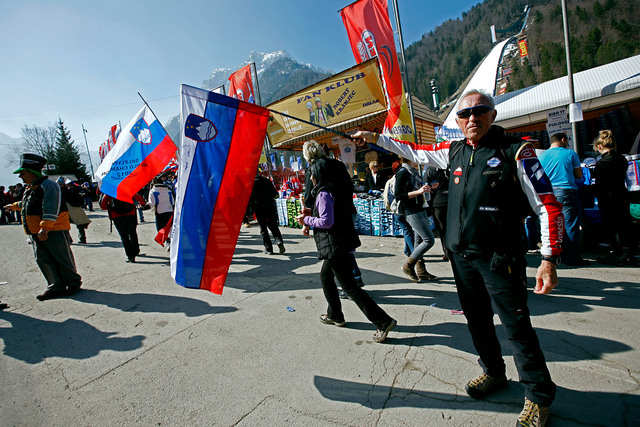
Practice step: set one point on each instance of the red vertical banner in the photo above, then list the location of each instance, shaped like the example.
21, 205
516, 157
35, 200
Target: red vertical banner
241, 85
524, 50
370, 34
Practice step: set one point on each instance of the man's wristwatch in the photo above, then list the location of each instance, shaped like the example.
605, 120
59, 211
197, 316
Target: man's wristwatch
553, 259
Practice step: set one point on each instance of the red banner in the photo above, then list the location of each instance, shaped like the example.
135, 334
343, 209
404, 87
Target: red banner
370, 34
241, 86
524, 50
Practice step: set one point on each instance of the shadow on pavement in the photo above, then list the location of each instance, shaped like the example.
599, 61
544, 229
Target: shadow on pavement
579, 407
150, 303
33, 340
578, 295
558, 346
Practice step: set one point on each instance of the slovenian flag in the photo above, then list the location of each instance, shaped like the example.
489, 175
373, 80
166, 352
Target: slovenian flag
142, 150
221, 141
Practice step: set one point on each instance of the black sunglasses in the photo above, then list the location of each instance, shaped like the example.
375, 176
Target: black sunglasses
477, 111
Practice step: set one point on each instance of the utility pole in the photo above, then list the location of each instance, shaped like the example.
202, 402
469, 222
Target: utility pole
84, 132
572, 96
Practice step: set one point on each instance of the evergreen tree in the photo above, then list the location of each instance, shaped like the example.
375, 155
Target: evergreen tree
67, 156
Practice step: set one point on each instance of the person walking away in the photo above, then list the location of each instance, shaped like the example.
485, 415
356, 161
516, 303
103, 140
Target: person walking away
88, 202
409, 191
495, 181
439, 181
123, 215
46, 220
335, 237
73, 194
161, 199
610, 189
263, 204
562, 166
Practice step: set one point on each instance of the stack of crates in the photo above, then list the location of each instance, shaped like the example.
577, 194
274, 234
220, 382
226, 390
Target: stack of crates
363, 218
281, 205
294, 208
376, 214
386, 220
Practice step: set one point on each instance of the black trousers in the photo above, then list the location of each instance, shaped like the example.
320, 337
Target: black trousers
440, 220
82, 232
56, 262
126, 226
341, 267
504, 287
162, 219
268, 222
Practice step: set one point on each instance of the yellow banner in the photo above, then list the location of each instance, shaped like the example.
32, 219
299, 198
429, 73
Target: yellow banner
348, 95
402, 128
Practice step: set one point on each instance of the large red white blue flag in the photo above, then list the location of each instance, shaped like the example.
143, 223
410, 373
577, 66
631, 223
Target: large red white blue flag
142, 150
221, 141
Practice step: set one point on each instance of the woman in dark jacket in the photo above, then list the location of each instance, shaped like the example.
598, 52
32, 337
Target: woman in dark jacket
611, 191
336, 238
409, 191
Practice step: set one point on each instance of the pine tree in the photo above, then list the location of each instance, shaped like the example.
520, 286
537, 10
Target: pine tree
67, 156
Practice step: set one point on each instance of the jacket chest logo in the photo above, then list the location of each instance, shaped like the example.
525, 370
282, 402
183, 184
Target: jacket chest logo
494, 162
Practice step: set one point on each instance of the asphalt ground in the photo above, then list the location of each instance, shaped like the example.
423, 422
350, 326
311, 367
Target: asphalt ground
134, 348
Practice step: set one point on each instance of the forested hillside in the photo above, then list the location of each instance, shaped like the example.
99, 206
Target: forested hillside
602, 31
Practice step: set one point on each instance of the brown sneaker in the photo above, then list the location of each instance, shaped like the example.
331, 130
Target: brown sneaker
409, 269
422, 273
484, 385
533, 415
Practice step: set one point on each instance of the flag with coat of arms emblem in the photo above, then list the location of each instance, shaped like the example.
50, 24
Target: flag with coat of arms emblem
221, 141
142, 150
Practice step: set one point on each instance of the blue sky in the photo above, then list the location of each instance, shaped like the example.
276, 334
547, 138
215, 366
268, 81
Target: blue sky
85, 61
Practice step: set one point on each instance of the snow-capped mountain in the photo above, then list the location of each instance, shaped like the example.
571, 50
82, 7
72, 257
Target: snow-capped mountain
279, 75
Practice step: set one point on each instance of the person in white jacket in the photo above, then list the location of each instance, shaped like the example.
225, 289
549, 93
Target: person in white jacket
161, 198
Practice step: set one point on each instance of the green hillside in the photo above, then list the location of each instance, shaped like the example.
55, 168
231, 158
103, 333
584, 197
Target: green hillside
601, 32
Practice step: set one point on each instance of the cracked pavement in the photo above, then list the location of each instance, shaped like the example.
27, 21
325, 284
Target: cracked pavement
134, 348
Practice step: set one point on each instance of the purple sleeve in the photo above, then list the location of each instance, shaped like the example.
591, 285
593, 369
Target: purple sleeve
324, 220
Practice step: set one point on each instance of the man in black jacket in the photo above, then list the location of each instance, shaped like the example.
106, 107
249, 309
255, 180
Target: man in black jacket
492, 176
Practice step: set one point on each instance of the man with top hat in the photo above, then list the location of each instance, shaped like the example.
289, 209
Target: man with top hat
46, 220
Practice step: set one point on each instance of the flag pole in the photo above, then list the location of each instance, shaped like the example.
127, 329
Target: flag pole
337, 132
406, 72
157, 119
84, 133
266, 145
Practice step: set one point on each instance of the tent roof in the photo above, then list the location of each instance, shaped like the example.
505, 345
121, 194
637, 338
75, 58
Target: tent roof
596, 88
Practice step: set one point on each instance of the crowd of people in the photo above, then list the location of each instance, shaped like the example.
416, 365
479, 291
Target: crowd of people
481, 188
